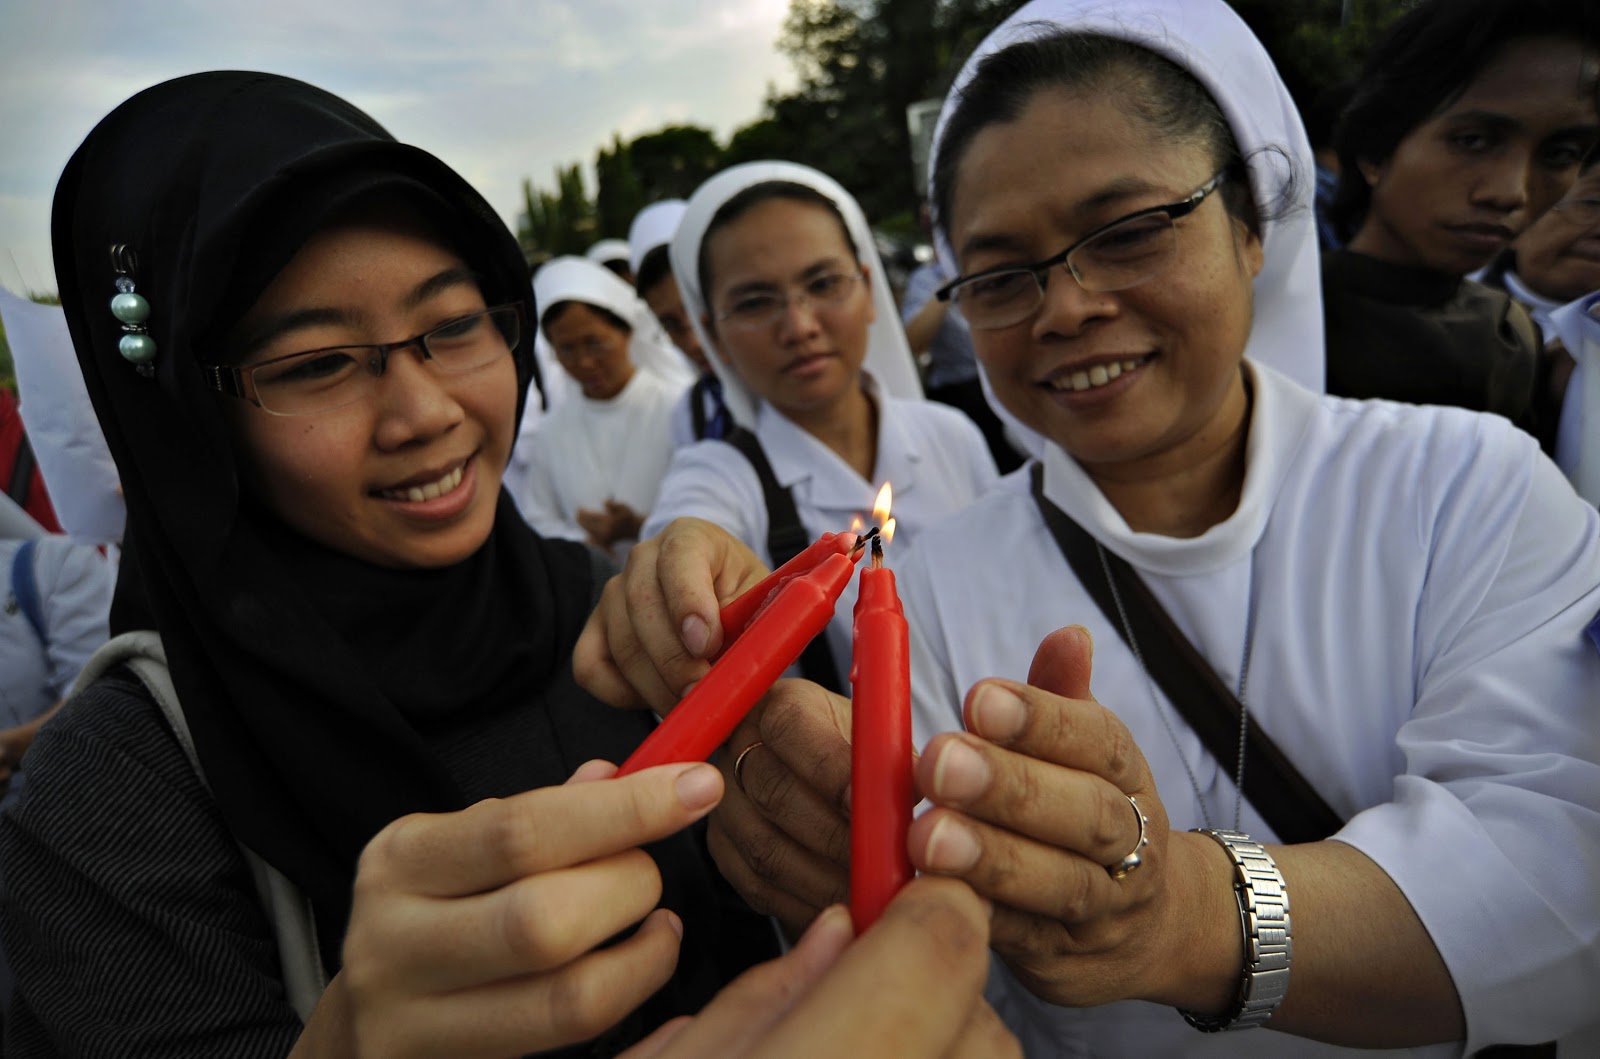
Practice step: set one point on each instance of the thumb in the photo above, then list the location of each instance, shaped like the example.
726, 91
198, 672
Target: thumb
1063, 663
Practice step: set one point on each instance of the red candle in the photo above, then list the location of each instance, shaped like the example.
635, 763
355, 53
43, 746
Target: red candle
880, 746
737, 614
706, 717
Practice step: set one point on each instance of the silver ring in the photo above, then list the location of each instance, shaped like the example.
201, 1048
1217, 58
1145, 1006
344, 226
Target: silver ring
738, 764
1127, 865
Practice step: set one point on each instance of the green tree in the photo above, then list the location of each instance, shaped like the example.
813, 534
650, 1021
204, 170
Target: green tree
671, 162
558, 223
619, 194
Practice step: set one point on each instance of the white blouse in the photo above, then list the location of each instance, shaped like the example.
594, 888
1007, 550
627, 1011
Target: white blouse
586, 452
933, 456
1419, 581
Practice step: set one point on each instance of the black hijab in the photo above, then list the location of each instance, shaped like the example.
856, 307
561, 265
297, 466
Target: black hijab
309, 678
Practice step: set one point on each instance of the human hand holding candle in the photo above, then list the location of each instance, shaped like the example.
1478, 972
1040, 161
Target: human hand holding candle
881, 795
800, 609
736, 615
656, 625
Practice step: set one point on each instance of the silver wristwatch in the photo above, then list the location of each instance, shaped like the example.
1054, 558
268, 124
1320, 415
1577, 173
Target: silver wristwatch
1264, 917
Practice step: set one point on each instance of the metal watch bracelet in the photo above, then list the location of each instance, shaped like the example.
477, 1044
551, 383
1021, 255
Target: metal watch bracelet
1264, 918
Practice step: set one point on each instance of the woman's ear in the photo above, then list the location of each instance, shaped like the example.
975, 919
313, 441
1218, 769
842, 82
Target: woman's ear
1370, 171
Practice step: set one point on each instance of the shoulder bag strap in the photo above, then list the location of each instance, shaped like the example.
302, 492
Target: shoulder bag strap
287, 908
786, 538
25, 587
1277, 790
697, 407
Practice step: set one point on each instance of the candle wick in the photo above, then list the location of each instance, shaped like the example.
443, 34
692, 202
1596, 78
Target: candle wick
877, 552
861, 541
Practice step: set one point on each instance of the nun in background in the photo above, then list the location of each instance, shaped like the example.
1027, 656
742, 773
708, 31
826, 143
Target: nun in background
701, 412
614, 255
783, 284
596, 462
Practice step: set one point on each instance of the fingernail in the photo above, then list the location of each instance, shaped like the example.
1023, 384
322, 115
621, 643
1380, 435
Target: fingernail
952, 847
675, 923
960, 774
696, 634
832, 921
997, 714
699, 787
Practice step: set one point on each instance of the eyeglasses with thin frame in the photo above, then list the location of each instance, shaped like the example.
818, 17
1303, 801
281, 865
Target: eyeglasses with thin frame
322, 380
1115, 256
762, 308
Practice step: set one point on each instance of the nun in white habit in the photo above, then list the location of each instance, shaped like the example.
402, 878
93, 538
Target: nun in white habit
700, 412
1398, 596
596, 462
780, 276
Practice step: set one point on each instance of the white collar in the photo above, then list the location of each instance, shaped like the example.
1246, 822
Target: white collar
796, 456
1281, 412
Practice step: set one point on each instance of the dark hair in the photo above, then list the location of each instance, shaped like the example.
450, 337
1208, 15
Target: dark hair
1425, 62
555, 312
1321, 115
753, 196
655, 266
1155, 90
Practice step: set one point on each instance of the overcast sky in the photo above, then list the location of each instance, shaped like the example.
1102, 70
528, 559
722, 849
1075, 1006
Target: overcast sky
500, 89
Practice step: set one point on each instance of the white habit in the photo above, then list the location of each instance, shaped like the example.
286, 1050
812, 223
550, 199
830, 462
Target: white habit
1419, 581
933, 456
587, 452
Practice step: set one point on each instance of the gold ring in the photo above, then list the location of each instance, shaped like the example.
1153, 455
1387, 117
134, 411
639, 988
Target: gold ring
1129, 864
738, 763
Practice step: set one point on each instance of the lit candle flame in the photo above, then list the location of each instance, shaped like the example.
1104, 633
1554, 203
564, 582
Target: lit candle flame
880, 512
856, 525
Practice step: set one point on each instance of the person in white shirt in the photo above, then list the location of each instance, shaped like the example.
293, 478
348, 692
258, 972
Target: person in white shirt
781, 278
1402, 599
597, 460
700, 413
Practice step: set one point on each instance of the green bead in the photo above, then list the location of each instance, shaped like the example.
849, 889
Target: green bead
137, 349
130, 308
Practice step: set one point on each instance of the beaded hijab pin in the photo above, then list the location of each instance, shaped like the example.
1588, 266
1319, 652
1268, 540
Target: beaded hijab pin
131, 310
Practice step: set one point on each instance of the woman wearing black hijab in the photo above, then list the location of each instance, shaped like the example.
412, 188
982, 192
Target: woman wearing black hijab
357, 626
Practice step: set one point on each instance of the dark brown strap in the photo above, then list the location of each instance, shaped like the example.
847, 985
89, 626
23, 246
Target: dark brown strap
786, 538
1283, 797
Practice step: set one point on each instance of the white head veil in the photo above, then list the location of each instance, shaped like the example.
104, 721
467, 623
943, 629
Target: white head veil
888, 358
1209, 40
607, 250
576, 279
653, 226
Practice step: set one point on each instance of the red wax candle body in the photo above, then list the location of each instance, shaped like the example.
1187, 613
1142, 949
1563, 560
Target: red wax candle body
774, 639
880, 748
737, 614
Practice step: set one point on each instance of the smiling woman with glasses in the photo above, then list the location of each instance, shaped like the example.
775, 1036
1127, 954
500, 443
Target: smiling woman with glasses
335, 633
1247, 706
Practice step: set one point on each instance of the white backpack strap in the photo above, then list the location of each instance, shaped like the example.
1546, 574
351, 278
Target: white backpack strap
304, 977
